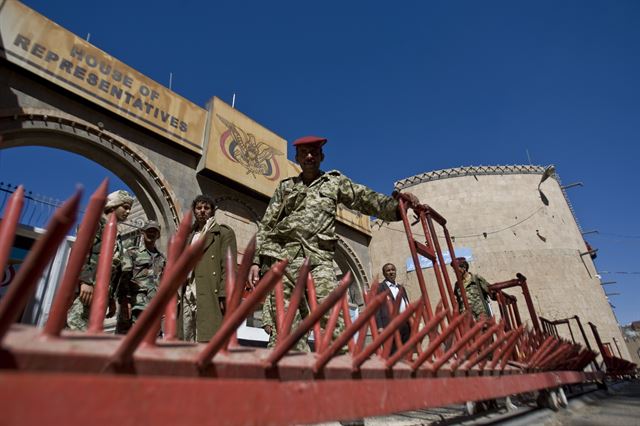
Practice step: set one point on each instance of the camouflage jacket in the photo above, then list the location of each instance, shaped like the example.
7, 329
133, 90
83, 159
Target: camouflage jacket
300, 220
90, 267
141, 267
477, 290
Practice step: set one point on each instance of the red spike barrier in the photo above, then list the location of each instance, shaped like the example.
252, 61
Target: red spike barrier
370, 325
279, 298
103, 275
9, 224
435, 344
168, 286
416, 340
41, 253
231, 291
233, 321
312, 299
233, 402
296, 298
457, 346
350, 330
393, 308
462, 360
330, 327
307, 323
176, 245
347, 320
84, 240
388, 331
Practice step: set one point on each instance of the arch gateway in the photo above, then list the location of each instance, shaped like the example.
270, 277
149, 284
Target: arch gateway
57, 90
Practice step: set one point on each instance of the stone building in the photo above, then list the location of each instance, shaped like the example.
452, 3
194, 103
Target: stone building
59, 91
505, 221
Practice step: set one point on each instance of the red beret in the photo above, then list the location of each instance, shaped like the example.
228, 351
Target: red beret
306, 140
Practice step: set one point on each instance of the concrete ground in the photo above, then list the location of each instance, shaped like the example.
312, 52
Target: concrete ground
619, 405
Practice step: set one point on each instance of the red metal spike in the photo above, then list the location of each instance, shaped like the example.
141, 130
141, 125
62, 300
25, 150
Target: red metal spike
9, 224
428, 328
232, 289
23, 285
348, 333
178, 242
86, 234
309, 321
265, 285
103, 274
296, 298
312, 299
362, 334
347, 320
279, 292
388, 331
330, 327
168, 286
459, 344
479, 343
435, 344
489, 350
504, 353
241, 277
393, 309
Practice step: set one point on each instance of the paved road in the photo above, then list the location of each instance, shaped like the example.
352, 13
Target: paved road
620, 406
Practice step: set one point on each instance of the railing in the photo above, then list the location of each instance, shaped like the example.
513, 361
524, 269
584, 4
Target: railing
95, 377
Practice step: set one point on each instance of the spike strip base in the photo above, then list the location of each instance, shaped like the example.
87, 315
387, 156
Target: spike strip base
72, 399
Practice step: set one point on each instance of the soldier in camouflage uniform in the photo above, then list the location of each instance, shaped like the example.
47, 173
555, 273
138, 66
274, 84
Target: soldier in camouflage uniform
299, 223
118, 202
477, 290
142, 267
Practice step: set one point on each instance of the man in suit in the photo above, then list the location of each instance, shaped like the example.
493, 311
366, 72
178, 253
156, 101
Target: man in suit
202, 299
383, 316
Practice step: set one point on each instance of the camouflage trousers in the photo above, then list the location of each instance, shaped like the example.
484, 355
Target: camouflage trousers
324, 277
78, 315
139, 297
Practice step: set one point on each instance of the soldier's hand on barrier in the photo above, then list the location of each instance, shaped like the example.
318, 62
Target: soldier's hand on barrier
410, 199
267, 328
254, 275
86, 293
111, 309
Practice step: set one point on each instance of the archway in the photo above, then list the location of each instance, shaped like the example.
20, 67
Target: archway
55, 129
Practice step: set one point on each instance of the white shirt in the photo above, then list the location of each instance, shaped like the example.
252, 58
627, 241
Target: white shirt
394, 291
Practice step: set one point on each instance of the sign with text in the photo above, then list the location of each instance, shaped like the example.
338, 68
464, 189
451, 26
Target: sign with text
39, 45
426, 263
244, 151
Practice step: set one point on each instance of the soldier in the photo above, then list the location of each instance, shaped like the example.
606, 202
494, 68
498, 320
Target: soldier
118, 202
477, 290
142, 267
299, 223
202, 299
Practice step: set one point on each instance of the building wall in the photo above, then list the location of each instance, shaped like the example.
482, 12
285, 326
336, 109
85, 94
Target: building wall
163, 175
509, 226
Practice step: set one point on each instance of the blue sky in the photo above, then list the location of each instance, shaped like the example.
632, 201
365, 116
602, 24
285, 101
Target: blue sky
403, 89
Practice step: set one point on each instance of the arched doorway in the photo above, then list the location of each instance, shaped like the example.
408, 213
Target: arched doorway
54, 129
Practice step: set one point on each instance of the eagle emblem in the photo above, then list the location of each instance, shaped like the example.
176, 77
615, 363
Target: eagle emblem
255, 156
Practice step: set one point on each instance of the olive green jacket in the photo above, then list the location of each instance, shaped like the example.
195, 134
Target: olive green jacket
210, 274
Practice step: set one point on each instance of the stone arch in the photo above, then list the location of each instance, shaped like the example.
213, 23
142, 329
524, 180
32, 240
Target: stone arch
55, 129
347, 260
